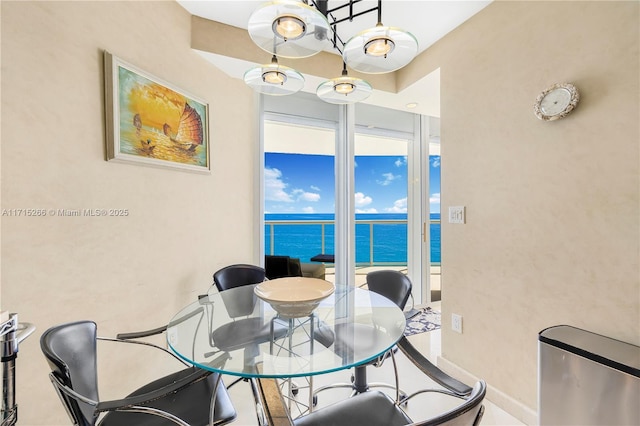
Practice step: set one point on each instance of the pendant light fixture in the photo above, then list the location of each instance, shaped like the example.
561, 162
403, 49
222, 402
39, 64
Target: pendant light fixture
290, 27
302, 28
380, 49
274, 79
344, 89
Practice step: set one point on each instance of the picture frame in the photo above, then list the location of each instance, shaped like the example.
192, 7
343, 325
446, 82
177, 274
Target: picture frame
151, 122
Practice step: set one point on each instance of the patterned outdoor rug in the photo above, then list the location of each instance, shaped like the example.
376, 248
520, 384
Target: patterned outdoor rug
426, 320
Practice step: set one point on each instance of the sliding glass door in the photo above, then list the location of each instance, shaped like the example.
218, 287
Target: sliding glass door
359, 171
380, 200
299, 187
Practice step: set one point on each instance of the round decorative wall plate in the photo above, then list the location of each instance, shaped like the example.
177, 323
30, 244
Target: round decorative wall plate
556, 102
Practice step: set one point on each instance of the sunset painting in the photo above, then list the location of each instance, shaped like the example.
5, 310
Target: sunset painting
156, 124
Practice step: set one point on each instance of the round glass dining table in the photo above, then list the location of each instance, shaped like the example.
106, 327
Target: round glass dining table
236, 333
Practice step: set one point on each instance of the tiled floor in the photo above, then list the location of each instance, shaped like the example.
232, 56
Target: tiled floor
411, 379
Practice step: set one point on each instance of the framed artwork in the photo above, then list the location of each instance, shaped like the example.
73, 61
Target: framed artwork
149, 121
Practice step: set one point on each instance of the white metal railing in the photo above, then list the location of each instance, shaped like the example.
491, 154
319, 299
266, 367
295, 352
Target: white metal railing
323, 224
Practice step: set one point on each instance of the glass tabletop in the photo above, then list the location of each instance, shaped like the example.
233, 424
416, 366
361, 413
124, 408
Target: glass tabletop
235, 332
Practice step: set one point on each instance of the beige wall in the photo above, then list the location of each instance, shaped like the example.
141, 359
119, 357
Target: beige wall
126, 273
552, 232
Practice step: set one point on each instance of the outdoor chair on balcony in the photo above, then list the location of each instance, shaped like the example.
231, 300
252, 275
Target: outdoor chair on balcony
281, 267
184, 397
286, 266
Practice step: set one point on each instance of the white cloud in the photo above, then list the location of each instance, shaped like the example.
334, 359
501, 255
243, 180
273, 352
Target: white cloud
309, 196
388, 178
401, 162
308, 210
362, 200
435, 198
435, 161
399, 206
301, 195
274, 187
372, 210
315, 188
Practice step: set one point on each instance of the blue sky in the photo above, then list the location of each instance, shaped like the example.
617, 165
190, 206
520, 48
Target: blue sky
302, 183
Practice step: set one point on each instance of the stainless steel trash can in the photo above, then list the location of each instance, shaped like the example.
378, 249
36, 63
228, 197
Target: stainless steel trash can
587, 379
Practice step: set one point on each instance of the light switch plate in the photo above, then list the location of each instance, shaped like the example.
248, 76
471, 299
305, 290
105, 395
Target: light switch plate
456, 214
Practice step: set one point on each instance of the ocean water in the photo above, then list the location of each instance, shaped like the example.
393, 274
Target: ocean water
304, 238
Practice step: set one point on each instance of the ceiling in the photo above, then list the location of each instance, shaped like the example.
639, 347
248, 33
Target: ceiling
428, 21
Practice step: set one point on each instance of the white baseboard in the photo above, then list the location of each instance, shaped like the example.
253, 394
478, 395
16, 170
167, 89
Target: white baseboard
515, 408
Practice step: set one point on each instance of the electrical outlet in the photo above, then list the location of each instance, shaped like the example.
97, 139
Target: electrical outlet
456, 323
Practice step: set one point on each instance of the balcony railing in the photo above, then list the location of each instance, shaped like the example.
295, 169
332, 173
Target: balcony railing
378, 242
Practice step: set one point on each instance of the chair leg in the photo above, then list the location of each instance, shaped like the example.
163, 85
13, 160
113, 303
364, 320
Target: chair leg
360, 385
240, 379
401, 396
333, 386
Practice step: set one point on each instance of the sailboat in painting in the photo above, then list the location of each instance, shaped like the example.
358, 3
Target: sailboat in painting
190, 130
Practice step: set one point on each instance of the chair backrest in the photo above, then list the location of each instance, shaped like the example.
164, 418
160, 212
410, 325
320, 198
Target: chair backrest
282, 266
467, 414
295, 267
238, 275
393, 285
276, 266
70, 350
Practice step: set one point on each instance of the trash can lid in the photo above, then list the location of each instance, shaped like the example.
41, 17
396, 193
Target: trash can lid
605, 350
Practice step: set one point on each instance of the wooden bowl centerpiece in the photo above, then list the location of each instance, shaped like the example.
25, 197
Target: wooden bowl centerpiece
294, 297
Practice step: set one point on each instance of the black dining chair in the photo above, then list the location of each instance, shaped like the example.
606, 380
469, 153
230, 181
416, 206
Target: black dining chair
182, 398
245, 332
242, 274
395, 286
375, 408
237, 275
229, 336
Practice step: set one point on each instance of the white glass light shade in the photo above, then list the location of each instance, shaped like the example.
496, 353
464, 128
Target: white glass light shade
274, 79
379, 46
344, 87
289, 29
368, 52
344, 90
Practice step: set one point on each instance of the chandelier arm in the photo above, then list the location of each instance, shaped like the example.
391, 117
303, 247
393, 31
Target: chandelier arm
322, 5
351, 16
336, 38
348, 3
